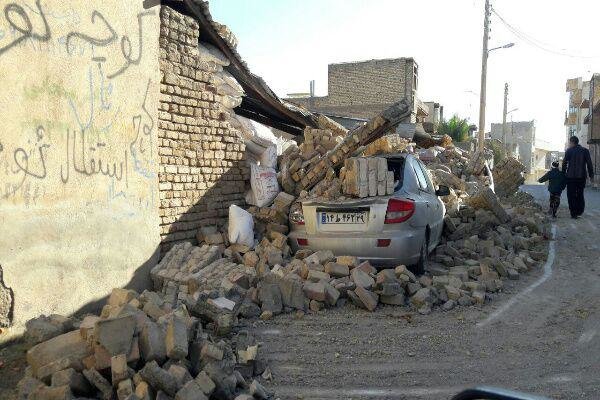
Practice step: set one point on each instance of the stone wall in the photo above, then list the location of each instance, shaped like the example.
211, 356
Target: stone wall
202, 164
78, 153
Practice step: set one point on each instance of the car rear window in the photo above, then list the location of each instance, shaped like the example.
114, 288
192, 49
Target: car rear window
397, 165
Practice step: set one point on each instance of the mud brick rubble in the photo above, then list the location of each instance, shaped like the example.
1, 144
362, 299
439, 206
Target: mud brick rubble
183, 340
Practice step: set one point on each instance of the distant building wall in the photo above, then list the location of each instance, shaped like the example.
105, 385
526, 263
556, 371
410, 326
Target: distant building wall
593, 124
363, 89
78, 152
370, 82
578, 90
522, 134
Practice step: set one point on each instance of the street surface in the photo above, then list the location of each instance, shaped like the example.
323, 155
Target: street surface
542, 335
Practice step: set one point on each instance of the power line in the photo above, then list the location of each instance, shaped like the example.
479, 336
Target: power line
538, 43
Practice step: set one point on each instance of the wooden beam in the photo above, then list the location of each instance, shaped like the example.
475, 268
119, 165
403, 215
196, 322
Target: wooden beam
245, 112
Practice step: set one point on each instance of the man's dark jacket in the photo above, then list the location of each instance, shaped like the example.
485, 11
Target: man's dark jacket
577, 158
556, 181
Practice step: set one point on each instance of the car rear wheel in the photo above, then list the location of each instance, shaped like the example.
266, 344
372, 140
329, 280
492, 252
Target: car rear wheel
419, 267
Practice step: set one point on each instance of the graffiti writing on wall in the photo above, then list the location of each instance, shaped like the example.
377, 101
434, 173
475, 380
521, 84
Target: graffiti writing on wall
19, 24
19, 21
100, 126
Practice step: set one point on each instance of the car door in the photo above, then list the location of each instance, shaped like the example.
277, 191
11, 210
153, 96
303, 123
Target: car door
435, 209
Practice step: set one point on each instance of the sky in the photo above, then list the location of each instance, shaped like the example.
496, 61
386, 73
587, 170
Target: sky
291, 42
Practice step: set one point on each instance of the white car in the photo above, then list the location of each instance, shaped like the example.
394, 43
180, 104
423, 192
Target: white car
402, 228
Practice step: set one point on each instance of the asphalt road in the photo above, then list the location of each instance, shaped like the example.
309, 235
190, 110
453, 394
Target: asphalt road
542, 335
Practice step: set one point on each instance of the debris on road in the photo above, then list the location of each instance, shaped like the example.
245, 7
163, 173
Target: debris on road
183, 338
146, 345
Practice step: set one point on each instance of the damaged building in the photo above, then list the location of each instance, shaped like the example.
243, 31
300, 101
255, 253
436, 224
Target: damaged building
117, 144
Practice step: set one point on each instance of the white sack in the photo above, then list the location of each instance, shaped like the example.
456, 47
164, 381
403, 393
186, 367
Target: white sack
226, 84
260, 134
241, 226
231, 102
263, 181
269, 157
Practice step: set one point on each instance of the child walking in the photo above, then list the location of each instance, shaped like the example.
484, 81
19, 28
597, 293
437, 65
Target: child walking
556, 184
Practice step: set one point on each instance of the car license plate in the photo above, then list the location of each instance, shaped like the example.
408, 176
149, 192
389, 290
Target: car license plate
338, 218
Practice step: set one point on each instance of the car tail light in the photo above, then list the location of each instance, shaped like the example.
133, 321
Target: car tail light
383, 242
297, 216
302, 242
399, 210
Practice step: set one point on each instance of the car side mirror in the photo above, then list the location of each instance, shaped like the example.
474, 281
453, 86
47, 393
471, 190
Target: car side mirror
442, 191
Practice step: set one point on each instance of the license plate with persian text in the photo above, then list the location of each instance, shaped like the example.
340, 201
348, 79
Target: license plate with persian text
340, 218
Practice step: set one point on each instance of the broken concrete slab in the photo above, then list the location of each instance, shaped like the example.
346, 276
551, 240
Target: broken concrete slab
115, 334
65, 350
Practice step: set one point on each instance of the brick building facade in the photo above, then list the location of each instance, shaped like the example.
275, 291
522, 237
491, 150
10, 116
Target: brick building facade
202, 168
592, 120
362, 89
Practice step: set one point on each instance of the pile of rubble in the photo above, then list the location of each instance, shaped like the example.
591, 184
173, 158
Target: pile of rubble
183, 340
144, 346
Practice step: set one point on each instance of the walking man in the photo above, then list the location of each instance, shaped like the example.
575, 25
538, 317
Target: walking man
577, 159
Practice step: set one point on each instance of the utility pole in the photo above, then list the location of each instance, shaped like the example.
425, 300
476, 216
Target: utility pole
484, 57
504, 127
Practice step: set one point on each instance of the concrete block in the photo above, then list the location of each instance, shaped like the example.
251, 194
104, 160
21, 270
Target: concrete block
75, 380
336, 270
99, 382
315, 291
118, 369
316, 276
124, 389
190, 391
331, 294
212, 351
119, 297
362, 279
206, 385
159, 379
368, 298
57, 354
152, 343
269, 295
176, 339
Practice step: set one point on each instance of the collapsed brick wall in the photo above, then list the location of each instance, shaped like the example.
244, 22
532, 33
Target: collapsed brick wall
202, 167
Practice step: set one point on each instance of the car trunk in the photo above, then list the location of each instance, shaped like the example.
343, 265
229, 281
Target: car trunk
349, 216
352, 216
